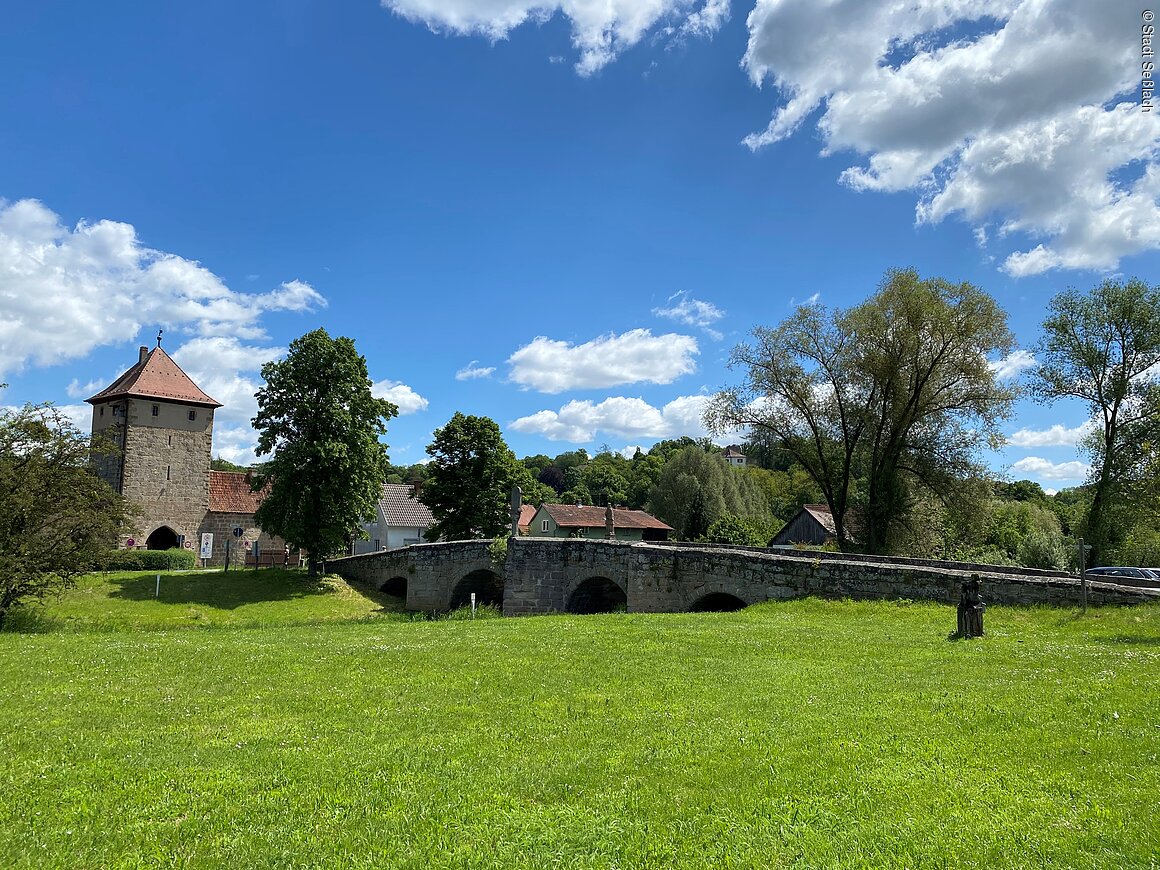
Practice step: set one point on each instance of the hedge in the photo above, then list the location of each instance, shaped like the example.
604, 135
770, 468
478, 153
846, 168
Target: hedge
148, 560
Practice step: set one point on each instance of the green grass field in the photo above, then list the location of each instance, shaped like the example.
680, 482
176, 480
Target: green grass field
265, 721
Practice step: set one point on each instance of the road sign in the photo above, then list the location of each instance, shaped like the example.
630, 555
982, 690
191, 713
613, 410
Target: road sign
206, 545
238, 531
247, 546
188, 545
130, 543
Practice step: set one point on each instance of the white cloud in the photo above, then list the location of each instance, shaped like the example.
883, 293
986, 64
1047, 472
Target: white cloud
1036, 467
1012, 364
1055, 436
97, 284
579, 421
407, 399
77, 390
1014, 118
471, 371
554, 366
692, 312
600, 31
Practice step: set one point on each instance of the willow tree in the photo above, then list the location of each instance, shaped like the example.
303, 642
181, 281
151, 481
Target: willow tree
879, 400
321, 424
1103, 348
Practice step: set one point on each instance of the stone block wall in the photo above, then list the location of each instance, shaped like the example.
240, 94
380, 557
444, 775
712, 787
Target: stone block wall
221, 525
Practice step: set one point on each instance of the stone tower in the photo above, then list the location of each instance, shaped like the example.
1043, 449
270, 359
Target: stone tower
162, 423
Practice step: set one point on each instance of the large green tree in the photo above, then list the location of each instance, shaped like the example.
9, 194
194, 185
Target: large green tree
469, 480
878, 402
321, 425
1103, 348
56, 515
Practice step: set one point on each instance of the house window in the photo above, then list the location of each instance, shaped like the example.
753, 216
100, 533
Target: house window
118, 411
156, 410
377, 547
543, 525
192, 415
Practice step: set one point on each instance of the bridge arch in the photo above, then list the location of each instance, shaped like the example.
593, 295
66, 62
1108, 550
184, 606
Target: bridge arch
597, 595
485, 583
717, 602
396, 586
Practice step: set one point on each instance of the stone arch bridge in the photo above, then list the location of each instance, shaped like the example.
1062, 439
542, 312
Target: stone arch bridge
545, 575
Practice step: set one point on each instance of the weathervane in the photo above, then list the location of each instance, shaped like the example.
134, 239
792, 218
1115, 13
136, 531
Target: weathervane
159, 336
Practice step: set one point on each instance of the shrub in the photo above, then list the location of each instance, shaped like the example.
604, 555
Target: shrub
148, 560
731, 529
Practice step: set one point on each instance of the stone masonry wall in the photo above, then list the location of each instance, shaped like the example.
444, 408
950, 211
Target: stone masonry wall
541, 574
166, 472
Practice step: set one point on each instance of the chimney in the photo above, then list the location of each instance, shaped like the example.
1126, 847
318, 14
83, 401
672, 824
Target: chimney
142, 353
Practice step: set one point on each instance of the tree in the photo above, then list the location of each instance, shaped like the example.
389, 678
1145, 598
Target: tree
321, 424
469, 480
697, 488
56, 516
878, 401
1102, 348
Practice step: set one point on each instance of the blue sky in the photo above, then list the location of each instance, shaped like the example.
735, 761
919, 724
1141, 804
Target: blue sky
560, 216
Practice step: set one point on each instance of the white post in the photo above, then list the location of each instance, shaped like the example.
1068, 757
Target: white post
473, 605
157, 591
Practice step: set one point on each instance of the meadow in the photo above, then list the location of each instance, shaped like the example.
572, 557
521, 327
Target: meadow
263, 720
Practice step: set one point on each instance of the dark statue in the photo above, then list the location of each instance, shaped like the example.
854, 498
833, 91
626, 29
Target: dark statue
971, 609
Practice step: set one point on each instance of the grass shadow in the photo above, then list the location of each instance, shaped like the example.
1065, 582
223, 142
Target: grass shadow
1130, 639
225, 590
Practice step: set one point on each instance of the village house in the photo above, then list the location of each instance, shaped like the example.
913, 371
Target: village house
400, 520
588, 521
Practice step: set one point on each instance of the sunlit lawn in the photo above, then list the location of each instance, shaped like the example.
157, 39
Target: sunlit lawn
338, 734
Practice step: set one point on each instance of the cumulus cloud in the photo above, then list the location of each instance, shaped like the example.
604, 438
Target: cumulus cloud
600, 31
1055, 436
472, 371
1036, 467
1012, 111
97, 284
408, 401
1012, 364
683, 308
637, 356
579, 421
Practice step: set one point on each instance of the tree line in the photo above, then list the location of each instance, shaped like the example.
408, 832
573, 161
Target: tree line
881, 411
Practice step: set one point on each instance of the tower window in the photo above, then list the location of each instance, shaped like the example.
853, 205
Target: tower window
167, 472
156, 410
192, 415
102, 410
170, 440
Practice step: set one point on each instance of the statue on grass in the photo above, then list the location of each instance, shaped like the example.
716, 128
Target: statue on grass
970, 612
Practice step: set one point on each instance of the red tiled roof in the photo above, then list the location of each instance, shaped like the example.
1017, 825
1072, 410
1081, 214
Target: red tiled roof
156, 376
229, 492
591, 517
401, 508
527, 512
